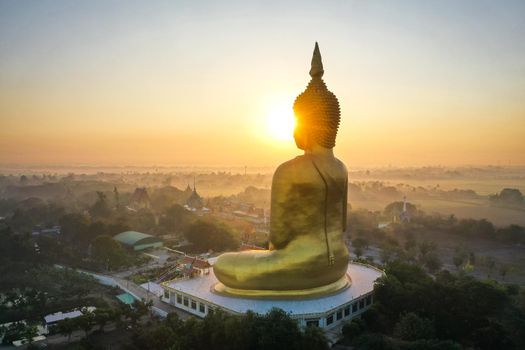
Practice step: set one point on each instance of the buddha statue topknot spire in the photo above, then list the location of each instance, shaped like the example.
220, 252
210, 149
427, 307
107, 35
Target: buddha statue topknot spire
317, 109
317, 70
307, 255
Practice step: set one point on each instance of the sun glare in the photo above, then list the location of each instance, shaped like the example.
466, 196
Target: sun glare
280, 122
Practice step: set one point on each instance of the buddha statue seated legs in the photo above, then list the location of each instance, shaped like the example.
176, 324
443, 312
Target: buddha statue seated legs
307, 254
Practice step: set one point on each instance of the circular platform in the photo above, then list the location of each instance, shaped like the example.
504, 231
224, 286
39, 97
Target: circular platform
329, 289
198, 296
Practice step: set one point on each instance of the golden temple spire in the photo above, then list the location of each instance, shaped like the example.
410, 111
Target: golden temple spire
317, 70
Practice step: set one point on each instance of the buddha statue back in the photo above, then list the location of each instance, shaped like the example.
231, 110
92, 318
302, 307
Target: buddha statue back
307, 254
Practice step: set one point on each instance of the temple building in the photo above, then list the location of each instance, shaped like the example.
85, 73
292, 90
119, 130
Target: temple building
191, 265
194, 201
196, 296
140, 199
405, 214
138, 241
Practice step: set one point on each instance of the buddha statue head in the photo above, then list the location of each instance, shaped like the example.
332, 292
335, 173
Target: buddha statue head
316, 111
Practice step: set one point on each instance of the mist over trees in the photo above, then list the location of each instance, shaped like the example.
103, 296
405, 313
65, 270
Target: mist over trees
508, 197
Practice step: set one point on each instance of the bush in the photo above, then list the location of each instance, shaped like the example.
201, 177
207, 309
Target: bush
353, 329
207, 235
413, 327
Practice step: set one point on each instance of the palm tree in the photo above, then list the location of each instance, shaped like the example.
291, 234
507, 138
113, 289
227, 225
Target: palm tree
29, 333
101, 317
66, 328
85, 322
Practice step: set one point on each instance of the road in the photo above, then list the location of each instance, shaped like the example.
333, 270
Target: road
147, 296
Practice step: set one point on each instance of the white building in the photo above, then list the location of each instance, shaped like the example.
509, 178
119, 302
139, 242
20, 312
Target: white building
53, 319
197, 296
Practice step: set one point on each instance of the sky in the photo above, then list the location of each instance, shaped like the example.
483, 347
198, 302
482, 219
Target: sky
195, 82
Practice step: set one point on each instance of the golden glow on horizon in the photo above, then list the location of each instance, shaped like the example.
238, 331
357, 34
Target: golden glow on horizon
280, 122
189, 84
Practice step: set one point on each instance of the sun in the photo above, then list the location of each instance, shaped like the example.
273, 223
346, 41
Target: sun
280, 122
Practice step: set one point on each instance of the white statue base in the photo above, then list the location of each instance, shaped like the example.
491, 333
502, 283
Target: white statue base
198, 296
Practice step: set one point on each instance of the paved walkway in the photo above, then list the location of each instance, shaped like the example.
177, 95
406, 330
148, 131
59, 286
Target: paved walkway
138, 292
147, 296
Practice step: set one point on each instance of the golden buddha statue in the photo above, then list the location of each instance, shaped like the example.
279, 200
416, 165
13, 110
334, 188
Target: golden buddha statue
307, 255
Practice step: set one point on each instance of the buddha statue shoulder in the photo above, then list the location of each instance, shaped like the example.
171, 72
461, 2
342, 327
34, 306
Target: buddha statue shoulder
307, 254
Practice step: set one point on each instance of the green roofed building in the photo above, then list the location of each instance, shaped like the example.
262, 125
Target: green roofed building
126, 298
138, 240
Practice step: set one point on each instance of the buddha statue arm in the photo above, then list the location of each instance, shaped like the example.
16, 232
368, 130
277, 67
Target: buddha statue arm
345, 204
278, 230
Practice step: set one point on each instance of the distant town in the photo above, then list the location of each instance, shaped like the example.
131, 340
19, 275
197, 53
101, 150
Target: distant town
98, 243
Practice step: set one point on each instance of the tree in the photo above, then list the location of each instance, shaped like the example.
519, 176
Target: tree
413, 327
101, 208
360, 243
508, 196
85, 321
314, 339
29, 333
176, 219
66, 328
410, 242
23, 180
73, 227
460, 257
278, 331
353, 329
206, 235
116, 198
490, 263
108, 252
396, 208
358, 252
407, 288
432, 262
139, 309
492, 336
14, 331
101, 317
503, 270
511, 234
426, 247
220, 331
371, 341
387, 252
472, 258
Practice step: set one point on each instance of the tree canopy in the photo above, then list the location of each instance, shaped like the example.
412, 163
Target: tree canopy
208, 235
275, 330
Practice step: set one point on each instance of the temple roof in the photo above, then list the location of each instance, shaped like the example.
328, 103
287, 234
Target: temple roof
195, 262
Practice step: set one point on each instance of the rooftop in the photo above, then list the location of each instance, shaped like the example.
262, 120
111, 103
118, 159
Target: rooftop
132, 237
362, 276
195, 262
59, 316
126, 298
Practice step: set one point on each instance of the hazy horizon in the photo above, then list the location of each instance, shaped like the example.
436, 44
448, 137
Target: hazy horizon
165, 83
